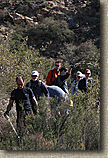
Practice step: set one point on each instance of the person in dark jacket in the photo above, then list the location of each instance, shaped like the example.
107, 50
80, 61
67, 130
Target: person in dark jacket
38, 87
84, 83
22, 96
60, 81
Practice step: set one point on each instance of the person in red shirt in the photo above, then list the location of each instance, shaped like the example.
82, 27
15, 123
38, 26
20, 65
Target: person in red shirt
52, 74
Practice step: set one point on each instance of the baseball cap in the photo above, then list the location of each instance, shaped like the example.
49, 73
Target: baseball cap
35, 73
79, 74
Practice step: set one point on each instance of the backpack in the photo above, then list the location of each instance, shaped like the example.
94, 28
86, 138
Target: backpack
39, 83
52, 74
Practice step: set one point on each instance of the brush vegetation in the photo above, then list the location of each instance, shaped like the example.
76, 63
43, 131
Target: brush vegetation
70, 35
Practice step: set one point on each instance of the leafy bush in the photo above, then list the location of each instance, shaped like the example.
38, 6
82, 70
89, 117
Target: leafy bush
17, 59
50, 35
61, 127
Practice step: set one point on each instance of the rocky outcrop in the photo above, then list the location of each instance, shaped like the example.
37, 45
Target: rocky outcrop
81, 16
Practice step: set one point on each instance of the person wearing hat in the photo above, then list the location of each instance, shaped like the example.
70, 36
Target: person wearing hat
74, 85
60, 81
52, 74
84, 83
38, 87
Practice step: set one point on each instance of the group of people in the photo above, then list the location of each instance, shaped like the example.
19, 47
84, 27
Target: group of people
81, 82
26, 96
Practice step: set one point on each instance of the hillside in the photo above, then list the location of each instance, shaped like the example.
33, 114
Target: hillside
33, 34
81, 16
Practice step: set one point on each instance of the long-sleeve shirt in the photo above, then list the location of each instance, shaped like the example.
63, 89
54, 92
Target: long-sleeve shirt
38, 87
60, 81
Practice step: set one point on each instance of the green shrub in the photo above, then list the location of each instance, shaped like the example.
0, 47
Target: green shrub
59, 128
74, 128
50, 35
17, 59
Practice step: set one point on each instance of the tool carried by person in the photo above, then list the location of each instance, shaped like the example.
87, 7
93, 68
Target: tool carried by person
8, 118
